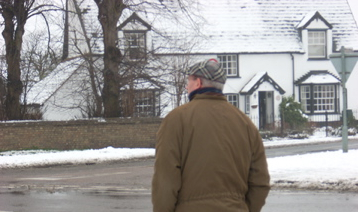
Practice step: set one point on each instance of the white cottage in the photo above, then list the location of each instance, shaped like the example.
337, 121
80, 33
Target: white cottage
269, 48
273, 48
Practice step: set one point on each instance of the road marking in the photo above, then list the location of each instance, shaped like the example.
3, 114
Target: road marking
42, 178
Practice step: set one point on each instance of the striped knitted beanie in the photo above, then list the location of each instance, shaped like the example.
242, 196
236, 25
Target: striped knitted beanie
209, 69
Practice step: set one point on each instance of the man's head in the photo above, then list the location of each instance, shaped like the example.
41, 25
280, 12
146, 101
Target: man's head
207, 73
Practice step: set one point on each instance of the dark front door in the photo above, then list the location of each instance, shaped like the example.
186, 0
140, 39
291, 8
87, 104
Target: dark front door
262, 109
266, 109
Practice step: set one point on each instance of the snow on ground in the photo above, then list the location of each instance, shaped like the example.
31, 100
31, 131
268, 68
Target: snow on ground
325, 170
28, 158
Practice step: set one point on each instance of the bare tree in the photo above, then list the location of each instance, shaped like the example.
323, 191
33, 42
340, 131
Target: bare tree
109, 12
2, 84
37, 62
96, 109
66, 32
2, 96
13, 32
118, 73
178, 82
15, 14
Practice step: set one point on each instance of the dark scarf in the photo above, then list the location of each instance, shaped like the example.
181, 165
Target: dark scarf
204, 90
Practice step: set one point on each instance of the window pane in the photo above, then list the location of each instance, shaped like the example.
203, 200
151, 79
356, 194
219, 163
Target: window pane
317, 44
324, 98
135, 45
144, 103
306, 98
233, 99
229, 64
247, 104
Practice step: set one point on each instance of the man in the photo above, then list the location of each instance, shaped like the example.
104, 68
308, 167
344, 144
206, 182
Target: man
209, 155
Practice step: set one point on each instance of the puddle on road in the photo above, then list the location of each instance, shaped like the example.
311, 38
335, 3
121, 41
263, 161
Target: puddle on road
75, 200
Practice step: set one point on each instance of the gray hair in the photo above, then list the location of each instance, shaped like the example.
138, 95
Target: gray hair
208, 83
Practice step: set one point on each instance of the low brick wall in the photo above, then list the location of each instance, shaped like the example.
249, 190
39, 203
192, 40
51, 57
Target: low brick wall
83, 134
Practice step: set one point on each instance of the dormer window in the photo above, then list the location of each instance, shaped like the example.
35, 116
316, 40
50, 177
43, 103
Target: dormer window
135, 45
316, 35
135, 38
317, 44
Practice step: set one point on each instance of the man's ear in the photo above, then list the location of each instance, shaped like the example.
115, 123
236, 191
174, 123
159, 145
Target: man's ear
200, 82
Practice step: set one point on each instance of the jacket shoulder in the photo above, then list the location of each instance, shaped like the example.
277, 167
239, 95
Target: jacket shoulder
178, 110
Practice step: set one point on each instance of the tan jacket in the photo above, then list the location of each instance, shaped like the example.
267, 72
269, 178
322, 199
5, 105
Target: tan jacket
209, 157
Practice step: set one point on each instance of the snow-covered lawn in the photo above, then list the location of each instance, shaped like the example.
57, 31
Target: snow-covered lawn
325, 170
27, 158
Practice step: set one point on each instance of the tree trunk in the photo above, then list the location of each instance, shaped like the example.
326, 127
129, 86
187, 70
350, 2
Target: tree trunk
109, 12
65, 34
13, 33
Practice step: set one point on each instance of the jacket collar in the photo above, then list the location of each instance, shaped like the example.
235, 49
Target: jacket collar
208, 91
209, 97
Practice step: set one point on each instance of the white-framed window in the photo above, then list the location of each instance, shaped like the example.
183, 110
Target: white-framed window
324, 98
135, 45
247, 104
229, 64
306, 98
144, 103
139, 103
319, 98
233, 99
317, 44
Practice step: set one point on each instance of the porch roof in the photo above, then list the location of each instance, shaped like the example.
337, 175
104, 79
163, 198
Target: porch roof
255, 82
318, 77
321, 79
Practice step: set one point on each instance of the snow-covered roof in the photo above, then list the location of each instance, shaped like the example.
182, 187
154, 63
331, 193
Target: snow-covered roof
323, 78
253, 81
306, 19
142, 84
45, 88
231, 86
310, 17
257, 80
235, 26
318, 77
93, 29
255, 26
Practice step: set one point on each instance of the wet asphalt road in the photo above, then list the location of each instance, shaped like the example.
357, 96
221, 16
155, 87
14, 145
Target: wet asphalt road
139, 201
125, 186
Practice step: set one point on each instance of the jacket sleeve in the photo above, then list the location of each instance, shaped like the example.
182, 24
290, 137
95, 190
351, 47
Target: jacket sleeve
166, 181
259, 179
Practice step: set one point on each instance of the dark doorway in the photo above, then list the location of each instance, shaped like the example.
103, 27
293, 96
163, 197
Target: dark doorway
266, 109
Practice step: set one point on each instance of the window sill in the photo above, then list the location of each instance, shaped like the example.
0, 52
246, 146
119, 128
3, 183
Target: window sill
322, 113
317, 59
